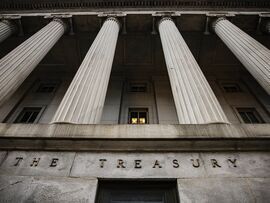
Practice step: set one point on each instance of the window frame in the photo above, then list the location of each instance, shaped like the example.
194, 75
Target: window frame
251, 109
142, 84
42, 82
168, 188
129, 83
42, 109
146, 110
236, 83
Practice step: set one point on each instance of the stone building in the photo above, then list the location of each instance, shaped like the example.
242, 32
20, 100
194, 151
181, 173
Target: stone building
128, 101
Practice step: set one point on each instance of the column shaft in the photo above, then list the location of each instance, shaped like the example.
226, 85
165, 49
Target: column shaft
20, 62
84, 100
194, 100
253, 55
7, 28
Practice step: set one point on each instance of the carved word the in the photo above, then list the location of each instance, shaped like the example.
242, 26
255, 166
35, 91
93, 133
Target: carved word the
35, 162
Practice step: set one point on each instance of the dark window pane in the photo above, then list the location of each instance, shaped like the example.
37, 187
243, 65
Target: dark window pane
138, 87
134, 114
244, 117
249, 115
231, 87
252, 117
47, 87
25, 117
33, 117
137, 192
28, 115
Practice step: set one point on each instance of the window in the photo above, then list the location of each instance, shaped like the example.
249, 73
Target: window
138, 87
47, 87
249, 115
137, 192
138, 116
231, 87
29, 115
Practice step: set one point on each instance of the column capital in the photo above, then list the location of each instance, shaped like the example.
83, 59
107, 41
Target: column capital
218, 20
59, 20
164, 18
111, 18
7, 22
267, 27
7, 28
11, 24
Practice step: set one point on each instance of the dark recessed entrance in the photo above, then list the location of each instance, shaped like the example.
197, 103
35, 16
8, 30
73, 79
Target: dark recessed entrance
137, 192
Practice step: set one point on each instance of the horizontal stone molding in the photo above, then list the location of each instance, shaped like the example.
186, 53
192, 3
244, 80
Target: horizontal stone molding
135, 164
65, 4
68, 137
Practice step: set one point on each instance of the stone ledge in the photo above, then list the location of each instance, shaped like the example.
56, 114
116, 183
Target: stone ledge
67, 137
154, 131
153, 4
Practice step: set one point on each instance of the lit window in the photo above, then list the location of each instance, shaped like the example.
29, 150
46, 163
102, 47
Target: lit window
231, 87
29, 115
47, 87
137, 87
138, 116
249, 115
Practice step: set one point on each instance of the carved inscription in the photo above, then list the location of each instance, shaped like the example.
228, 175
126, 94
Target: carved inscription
102, 161
195, 163
215, 163
232, 162
35, 162
18, 161
54, 162
137, 163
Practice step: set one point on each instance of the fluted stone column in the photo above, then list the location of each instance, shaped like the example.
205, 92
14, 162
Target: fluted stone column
84, 100
194, 99
20, 62
253, 55
267, 27
7, 28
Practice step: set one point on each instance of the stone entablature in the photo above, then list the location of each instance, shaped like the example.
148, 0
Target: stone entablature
74, 176
135, 165
133, 4
217, 137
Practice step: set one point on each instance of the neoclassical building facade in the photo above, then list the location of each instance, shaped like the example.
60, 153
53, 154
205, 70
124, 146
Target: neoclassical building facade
134, 101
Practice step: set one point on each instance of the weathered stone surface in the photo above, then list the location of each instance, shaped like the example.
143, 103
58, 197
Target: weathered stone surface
209, 137
138, 131
260, 189
44, 189
89, 165
37, 163
247, 164
171, 165
222, 190
137, 165
3, 154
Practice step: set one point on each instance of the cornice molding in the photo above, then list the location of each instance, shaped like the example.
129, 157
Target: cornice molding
107, 4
